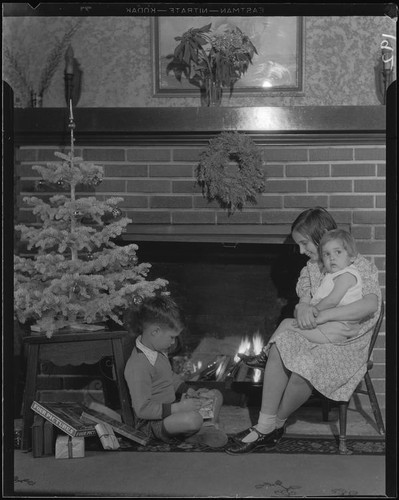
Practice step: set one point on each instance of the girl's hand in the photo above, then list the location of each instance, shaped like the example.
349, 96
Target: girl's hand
305, 315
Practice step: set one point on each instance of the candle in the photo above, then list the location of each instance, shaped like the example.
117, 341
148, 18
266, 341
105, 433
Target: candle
70, 110
69, 61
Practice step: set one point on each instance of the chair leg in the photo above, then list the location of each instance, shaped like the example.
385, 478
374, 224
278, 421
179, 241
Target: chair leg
343, 410
374, 404
325, 408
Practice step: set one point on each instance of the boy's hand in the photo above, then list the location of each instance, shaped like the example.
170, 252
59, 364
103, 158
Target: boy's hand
190, 404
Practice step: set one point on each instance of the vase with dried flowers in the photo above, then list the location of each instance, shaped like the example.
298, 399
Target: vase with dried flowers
212, 61
35, 91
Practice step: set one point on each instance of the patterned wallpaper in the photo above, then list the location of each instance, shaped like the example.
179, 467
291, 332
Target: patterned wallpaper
114, 54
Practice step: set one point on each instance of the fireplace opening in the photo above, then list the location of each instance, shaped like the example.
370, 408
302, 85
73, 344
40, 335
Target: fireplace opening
227, 292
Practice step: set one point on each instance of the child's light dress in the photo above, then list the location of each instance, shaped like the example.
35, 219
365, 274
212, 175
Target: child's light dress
334, 369
339, 330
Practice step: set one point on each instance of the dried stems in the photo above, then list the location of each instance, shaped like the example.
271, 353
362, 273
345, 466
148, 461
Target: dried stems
54, 59
50, 67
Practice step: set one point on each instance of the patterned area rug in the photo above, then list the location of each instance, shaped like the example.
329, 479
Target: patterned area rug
293, 444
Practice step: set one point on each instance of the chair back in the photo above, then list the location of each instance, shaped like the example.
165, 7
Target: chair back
377, 327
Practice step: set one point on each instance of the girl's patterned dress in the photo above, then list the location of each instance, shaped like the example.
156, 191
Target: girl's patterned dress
335, 370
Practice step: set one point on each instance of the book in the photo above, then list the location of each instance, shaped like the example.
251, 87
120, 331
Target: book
49, 438
100, 408
207, 398
118, 427
37, 436
65, 416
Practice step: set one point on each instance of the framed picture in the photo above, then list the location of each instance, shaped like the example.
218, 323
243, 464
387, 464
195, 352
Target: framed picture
276, 68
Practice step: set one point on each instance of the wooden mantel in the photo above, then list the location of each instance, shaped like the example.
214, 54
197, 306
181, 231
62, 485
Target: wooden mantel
194, 126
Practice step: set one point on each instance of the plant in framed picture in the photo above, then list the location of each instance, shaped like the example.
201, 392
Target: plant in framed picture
212, 61
253, 56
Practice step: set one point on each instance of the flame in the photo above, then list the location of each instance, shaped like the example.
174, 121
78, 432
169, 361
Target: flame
257, 375
257, 342
244, 348
197, 366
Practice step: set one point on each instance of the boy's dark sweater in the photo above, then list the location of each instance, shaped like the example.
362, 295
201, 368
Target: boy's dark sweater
152, 388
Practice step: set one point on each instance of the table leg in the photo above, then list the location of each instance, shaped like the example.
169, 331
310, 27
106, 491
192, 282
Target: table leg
29, 395
127, 414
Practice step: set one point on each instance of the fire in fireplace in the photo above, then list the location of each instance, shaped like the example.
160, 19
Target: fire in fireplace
232, 297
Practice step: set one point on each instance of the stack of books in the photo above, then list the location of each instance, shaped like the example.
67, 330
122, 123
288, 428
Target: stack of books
75, 420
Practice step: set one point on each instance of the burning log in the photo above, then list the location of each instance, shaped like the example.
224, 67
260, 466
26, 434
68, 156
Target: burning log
232, 372
221, 372
226, 367
209, 371
242, 372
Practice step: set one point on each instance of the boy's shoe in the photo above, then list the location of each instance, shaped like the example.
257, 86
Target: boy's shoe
210, 436
267, 441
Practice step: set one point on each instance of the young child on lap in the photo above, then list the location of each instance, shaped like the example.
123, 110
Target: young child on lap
340, 285
152, 383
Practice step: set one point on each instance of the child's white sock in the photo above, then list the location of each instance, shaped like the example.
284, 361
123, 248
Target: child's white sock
266, 423
280, 422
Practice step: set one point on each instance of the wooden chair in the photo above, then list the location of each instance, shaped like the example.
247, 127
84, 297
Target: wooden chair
343, 405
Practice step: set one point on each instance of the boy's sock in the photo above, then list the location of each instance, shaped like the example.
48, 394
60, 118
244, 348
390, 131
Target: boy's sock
266, 423
280, 422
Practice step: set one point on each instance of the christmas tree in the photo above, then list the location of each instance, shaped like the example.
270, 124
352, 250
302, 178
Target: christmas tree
77, 273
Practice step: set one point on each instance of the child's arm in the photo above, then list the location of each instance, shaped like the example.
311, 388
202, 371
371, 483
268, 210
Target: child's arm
342, 283
304, 313
139, 382
356, 311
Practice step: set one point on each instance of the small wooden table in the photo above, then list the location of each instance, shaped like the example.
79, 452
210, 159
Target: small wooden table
73, 348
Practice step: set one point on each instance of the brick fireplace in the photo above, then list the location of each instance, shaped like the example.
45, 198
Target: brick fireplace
328, 156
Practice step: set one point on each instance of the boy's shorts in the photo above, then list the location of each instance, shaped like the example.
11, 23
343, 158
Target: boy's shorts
154, 429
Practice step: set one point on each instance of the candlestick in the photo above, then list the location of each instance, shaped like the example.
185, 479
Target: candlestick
69, 61
70, 110
68, 74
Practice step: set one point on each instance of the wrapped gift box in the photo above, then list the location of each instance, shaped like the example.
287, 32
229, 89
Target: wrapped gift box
69, 447
107, 436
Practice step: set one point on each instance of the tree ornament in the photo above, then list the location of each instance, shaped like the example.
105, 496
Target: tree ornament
134, 259
40, 185
138, 300
96, 180
230, 171
116, 212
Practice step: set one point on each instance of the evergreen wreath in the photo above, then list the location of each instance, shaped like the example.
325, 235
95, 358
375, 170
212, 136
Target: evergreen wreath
230, 171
